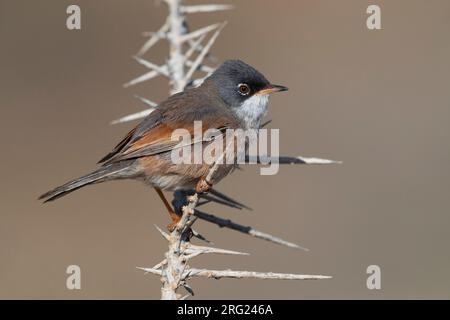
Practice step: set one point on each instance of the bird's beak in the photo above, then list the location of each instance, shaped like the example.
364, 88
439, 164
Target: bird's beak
271, 88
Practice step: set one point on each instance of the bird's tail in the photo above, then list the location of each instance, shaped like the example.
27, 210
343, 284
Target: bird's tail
111, 171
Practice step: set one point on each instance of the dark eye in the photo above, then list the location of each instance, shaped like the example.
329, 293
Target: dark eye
244, 89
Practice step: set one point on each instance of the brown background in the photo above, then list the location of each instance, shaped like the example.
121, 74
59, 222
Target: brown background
378, 100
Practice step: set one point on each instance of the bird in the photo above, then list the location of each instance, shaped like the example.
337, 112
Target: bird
234, 96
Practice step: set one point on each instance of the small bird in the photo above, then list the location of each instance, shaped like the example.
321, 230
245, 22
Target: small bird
235, 96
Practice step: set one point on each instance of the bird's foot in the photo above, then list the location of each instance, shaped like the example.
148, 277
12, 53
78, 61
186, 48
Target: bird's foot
175, 219
202, 186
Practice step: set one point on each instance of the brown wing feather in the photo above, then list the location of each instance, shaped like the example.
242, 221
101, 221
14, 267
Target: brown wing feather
119, 146
159, 140
153, 135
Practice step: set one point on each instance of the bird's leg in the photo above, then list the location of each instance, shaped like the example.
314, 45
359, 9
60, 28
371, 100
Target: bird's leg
202, 186
173, 215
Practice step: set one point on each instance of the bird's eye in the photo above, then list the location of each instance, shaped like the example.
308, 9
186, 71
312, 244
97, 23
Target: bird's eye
244, 89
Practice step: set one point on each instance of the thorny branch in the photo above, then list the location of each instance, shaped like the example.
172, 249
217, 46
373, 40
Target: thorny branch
180, 69
226, 223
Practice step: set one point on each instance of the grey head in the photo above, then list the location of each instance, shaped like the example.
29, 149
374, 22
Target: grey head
243, 89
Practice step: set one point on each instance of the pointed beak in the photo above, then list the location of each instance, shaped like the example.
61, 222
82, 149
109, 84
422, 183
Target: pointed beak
271, 88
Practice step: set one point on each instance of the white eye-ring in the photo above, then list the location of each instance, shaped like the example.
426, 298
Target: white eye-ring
244, 89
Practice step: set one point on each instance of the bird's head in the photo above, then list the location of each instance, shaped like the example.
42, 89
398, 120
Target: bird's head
244, 89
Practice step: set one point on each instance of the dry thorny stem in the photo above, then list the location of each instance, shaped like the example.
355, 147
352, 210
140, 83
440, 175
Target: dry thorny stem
180, 68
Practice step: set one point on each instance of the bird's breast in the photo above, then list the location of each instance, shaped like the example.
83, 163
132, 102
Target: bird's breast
253, 110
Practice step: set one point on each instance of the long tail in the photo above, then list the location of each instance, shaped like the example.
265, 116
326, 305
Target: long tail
104, 173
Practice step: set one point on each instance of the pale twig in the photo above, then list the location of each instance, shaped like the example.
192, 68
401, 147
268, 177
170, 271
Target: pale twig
199, 48
198, 82
217, 274
134, 116
146, 101
156, 36
226, 223
151, 270
159, 265
176, 260
163, 233
205, 8
177, 29
201, 67
162, 70
204, 250
290, 160
304, 160
203, 53
188, 211
195, 46
199, 32
140, 114
147, 76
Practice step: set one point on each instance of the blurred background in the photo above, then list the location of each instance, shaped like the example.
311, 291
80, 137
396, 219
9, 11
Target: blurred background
377, 100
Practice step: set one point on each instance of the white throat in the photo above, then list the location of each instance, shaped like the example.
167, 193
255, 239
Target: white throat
253, 110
